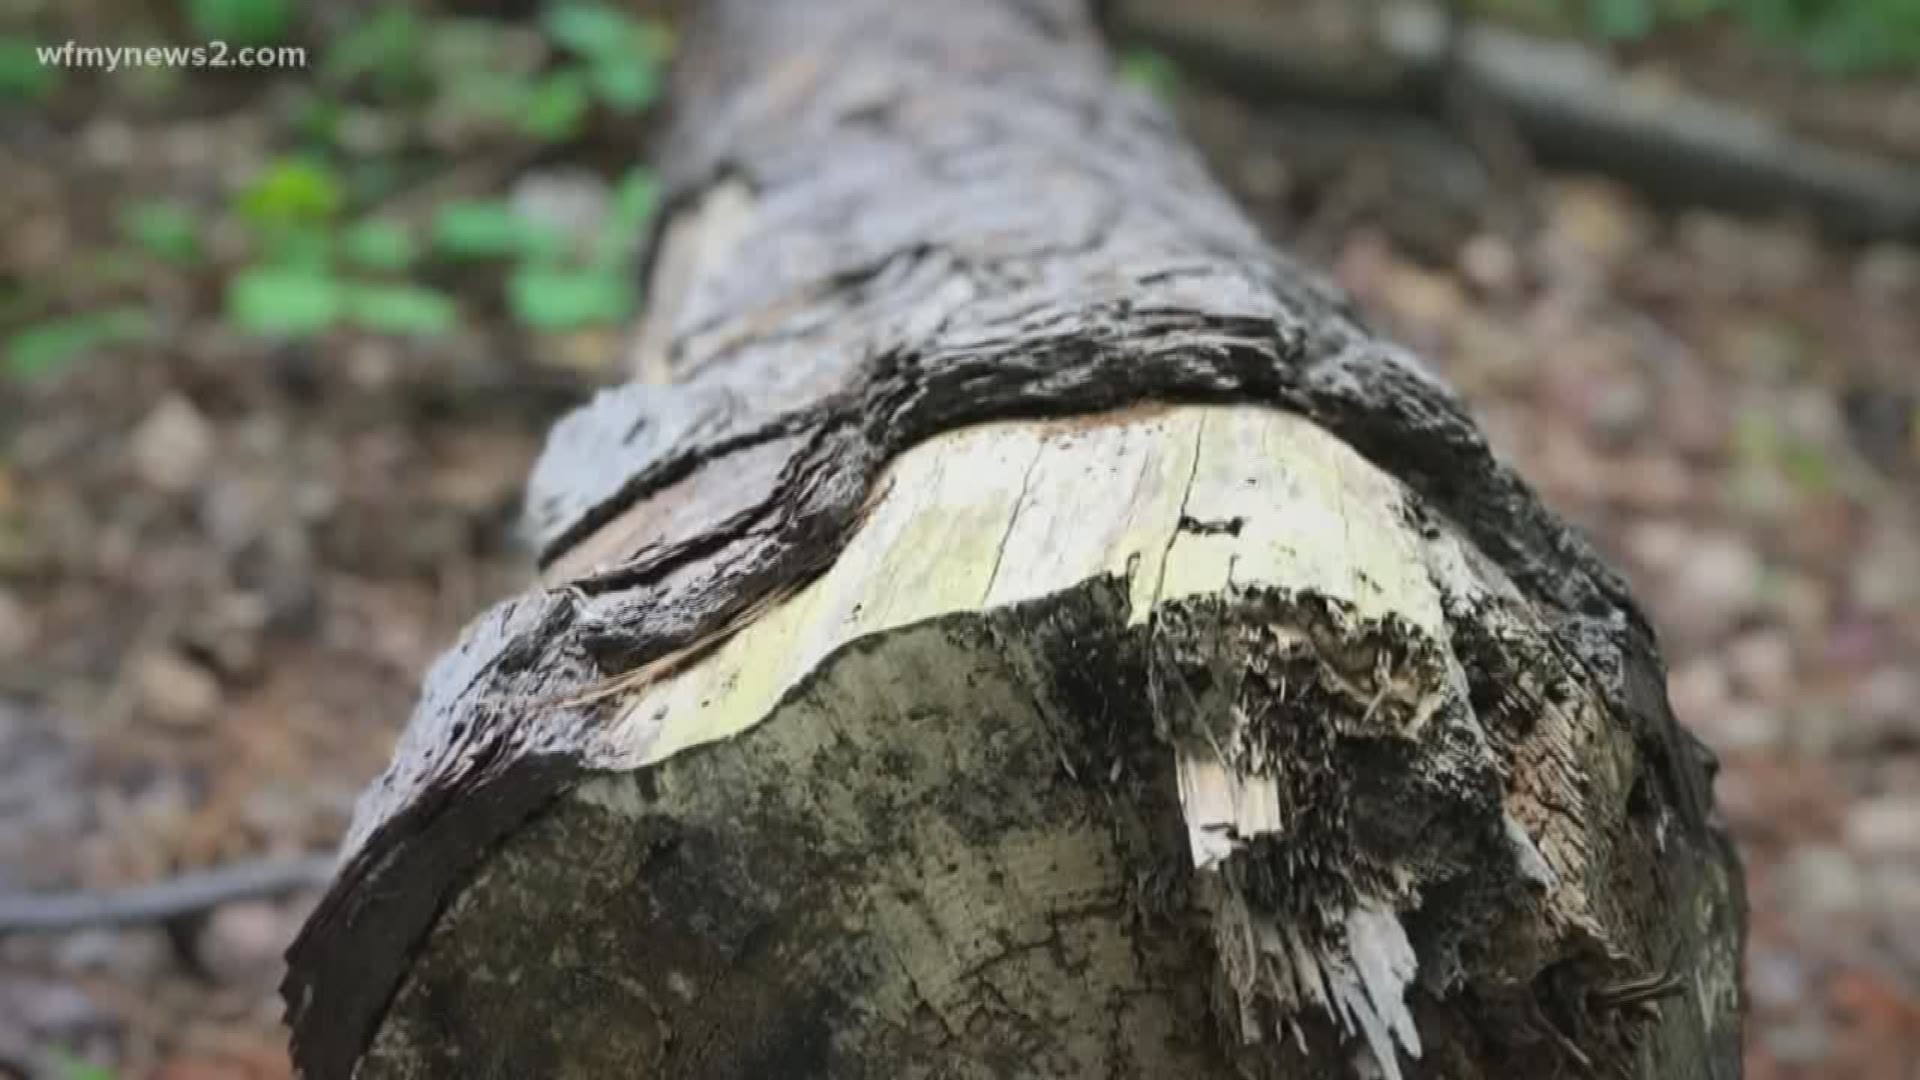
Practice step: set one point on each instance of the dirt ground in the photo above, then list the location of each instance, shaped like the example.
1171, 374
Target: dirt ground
224, 562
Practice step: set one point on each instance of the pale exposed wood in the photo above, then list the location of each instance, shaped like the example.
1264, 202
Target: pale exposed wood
996, 514
693, 251
982, 517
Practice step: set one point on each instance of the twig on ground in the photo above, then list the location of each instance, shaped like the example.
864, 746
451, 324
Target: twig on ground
163, 901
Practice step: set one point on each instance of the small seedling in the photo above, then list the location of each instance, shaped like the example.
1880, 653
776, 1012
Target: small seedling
555, 298
556, 109
292, 190
164, 229
385, 50
626, 225
400, 309
47, 347
491, 230
377, 245
284, 301
623, 54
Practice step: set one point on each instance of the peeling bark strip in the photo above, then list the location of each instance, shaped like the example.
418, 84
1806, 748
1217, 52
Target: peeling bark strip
843, 741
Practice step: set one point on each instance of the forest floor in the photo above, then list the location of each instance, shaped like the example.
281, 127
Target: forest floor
225, 560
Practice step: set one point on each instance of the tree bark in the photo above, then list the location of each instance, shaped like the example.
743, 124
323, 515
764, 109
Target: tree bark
1017, 624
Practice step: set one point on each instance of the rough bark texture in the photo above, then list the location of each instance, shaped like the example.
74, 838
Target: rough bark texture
907, 219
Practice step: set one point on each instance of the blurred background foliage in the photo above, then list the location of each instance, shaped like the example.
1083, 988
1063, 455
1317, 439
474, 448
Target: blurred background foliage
312, 241
1836, 36
318, 237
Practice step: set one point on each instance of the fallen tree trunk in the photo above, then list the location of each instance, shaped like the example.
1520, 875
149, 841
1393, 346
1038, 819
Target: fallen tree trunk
1017, 625
1572, 108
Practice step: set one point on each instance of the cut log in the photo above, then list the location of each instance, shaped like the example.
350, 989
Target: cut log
1016, 624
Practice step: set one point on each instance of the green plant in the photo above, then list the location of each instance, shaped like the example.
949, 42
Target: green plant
284, 300
385, 50
162, 228
295, 289
377, 245
292, 191
299, 301
1836, 36
22, 76
558, 298
70, 1066
556, 107
607, 33
46, 347
484, 229
242, 22
634, 202
1621, 19
295, 244
1150, 71
623, 55
400, 309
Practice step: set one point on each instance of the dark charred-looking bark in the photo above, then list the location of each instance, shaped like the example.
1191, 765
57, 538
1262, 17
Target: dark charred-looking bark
1017, 624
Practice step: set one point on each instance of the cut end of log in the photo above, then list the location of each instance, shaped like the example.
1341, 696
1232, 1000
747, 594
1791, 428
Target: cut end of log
975, 795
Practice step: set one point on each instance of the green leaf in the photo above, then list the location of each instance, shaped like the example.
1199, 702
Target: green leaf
625, 52
292, 190
477, 230
316, 117
467, 46
1697, 9
634, 202
552, 298
1808, 466
71, 1066
1779, 19
626, 87
1150, 71
1863, 36
241, 22
285, 301
558, 108
44, 348
298, 244
385, 49
594, 30
1621, 20
494, 95
377, 179
163, 228
402, 309
490, 230
377, 245
22, 76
